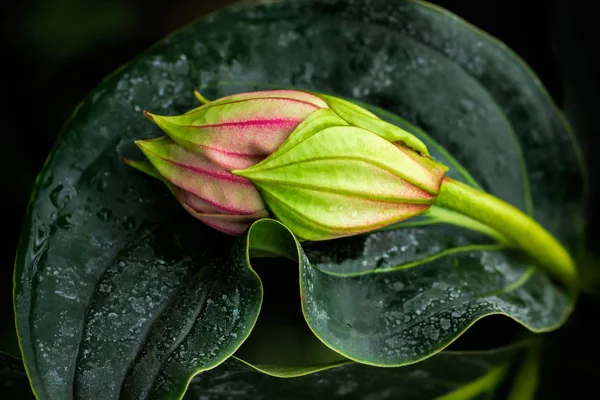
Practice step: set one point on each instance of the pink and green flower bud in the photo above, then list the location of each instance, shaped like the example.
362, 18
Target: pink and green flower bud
330, 180
325, 167
238, 131
210, 193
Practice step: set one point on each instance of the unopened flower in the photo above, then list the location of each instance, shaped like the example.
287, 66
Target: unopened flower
330, 179
206, 190
323, 166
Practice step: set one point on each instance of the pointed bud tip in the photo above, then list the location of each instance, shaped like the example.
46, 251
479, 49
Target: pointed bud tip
144, 166
159, 120
150, 144
140, 143
148, 115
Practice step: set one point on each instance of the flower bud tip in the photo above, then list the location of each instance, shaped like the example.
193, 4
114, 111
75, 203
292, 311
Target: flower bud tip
144, 166
151, 145
139, 144
149, 115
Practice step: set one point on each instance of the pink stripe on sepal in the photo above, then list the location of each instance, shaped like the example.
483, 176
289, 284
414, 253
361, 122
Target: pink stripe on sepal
217, 216
230, 161
199, 183
240, 131
234, 225
206, 206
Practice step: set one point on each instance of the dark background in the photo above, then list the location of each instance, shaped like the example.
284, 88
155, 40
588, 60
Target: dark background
55, 51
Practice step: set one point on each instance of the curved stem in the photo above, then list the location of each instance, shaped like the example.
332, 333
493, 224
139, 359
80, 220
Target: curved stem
515, 225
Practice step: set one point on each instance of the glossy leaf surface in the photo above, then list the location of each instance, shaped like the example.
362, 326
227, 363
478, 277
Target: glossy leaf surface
456, 375
119, 292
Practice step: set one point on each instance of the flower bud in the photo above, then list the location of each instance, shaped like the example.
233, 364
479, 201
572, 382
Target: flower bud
240, 130
210, 193
323, 166
331, 180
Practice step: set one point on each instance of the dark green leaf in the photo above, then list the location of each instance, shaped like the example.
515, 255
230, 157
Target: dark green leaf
119, 291
477, 100
395, 317
164, 307
467, 375
281, 344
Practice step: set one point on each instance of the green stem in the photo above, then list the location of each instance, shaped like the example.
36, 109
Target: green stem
519, 228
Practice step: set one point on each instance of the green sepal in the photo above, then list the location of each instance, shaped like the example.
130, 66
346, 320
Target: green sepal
145, 167
330, 180
359, 117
